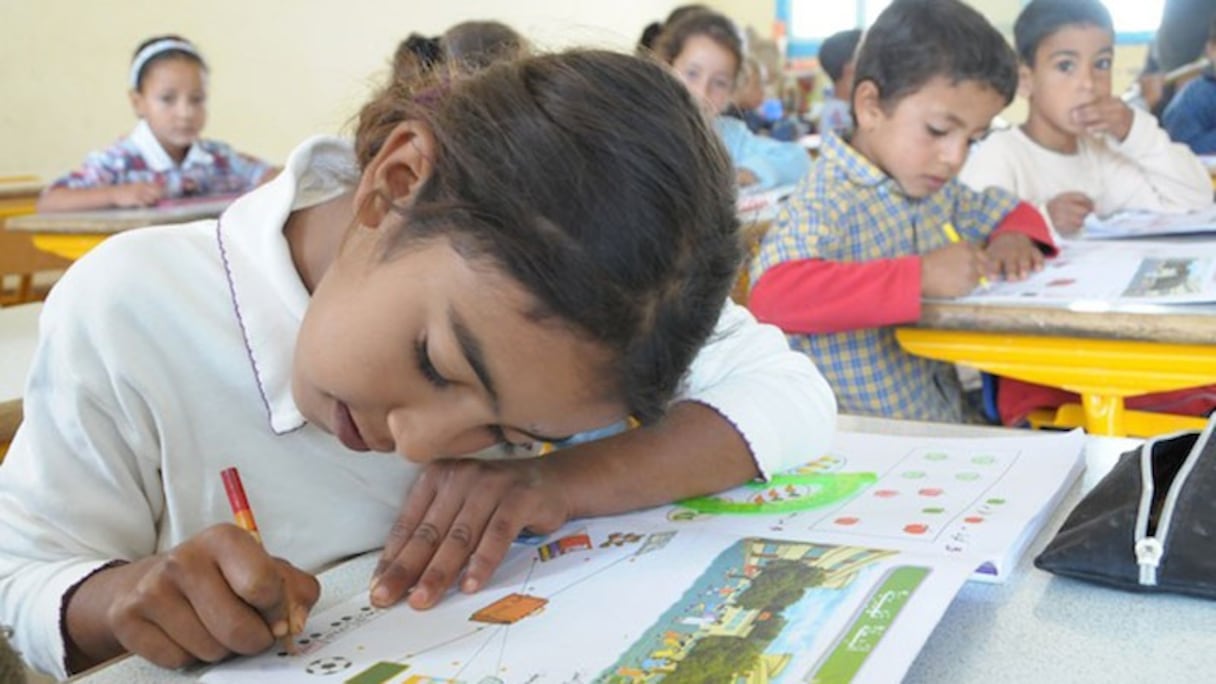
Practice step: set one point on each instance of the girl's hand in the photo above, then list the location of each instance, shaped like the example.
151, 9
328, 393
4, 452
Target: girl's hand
953, 270
463, 514
1068, 210
1014, 255
216, 594
136, 194
1107, 115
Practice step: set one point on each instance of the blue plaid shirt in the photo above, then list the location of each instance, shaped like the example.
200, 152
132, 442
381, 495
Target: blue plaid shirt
848, 210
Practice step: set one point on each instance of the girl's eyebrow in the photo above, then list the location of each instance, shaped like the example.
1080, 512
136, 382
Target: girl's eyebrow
470, 346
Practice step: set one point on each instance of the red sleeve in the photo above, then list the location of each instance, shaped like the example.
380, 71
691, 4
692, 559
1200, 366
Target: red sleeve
1027, 220
818, 296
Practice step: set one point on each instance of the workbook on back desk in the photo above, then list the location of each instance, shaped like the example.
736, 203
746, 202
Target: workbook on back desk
1148, 224
836, 571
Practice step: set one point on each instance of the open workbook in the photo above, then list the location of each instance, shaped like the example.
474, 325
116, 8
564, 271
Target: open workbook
1124, 271
833, 572
1147, 224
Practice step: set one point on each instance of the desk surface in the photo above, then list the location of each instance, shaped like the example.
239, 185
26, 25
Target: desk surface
105, 221
1175, 324
1036, 628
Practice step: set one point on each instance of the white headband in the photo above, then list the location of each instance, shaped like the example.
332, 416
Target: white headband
154, 49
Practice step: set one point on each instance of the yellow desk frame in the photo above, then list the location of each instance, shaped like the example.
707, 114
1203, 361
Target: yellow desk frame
1103, 372
67, 245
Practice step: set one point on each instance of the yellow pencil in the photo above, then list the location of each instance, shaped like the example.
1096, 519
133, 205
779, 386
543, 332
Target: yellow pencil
953, 236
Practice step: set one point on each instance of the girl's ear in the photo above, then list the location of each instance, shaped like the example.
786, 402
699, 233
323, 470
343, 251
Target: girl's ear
867, 105
405, 161
1024, 76
137, 102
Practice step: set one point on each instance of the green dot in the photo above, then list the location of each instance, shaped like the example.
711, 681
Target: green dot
913, 474
984, 460
936, 456
995, 502
932, 511
968, 477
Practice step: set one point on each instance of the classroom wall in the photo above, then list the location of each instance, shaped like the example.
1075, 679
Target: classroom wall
281, 70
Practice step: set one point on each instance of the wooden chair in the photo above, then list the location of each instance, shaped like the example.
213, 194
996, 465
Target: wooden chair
10, 418
20, 262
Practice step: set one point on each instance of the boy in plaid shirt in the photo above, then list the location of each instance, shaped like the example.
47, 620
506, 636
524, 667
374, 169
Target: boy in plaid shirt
871, 229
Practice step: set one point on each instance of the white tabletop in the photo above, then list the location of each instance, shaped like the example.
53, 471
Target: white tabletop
18, 337
1036, 628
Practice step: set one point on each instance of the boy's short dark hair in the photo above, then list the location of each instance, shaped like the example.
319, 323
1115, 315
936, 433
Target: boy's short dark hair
837, 50
1041, 18
913, 41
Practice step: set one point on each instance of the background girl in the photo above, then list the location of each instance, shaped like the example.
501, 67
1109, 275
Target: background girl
163, 158
705, 51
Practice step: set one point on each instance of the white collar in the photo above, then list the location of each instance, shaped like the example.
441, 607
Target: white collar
268, 296
157, 158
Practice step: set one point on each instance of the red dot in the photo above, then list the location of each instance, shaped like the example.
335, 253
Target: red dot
847, 520
916, 528
974, 519
886, 493
931, 491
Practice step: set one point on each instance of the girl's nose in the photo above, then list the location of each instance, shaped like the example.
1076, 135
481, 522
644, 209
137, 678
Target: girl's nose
423, 436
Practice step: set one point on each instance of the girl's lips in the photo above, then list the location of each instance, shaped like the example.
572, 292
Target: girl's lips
347, 431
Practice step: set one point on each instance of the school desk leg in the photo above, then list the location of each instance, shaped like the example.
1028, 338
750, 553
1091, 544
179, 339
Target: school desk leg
1103, 414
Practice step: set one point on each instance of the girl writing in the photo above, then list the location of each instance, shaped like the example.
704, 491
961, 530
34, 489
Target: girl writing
504, 257
164, 157
706, 53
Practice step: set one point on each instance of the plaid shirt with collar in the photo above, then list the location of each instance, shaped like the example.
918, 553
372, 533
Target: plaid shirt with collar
848, 210
211, 167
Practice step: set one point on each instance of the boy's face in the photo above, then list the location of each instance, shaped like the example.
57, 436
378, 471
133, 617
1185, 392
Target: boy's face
923, 140
1071, 69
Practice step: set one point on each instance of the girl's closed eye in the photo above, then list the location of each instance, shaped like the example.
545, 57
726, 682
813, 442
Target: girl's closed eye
427, 367
935, 131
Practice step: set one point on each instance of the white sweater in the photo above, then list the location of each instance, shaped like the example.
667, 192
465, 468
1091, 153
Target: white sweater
1145, 171
165, 356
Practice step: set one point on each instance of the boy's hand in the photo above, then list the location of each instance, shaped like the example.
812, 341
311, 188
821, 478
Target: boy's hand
1068, 210
1109, 115
136, 194
953, 270
216, 594
1014, 255
463, 512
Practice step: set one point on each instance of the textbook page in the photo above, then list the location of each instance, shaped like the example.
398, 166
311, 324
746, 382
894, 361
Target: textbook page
760, 206
980, 500
639, 599
1114, 271
1136, 224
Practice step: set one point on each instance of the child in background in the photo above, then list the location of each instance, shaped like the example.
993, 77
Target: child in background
1190, 118
872, 230
1082, 150
749, 97
163, 158
650, 34
705, 51
836, 56
479, 272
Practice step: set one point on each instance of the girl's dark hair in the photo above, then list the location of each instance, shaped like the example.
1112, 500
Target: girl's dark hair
717, 27
1041, 18
416, 53
593, 180
650, 34
914, 41
163, 56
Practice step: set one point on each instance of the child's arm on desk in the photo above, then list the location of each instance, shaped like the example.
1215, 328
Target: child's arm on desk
100, 197
750, 407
